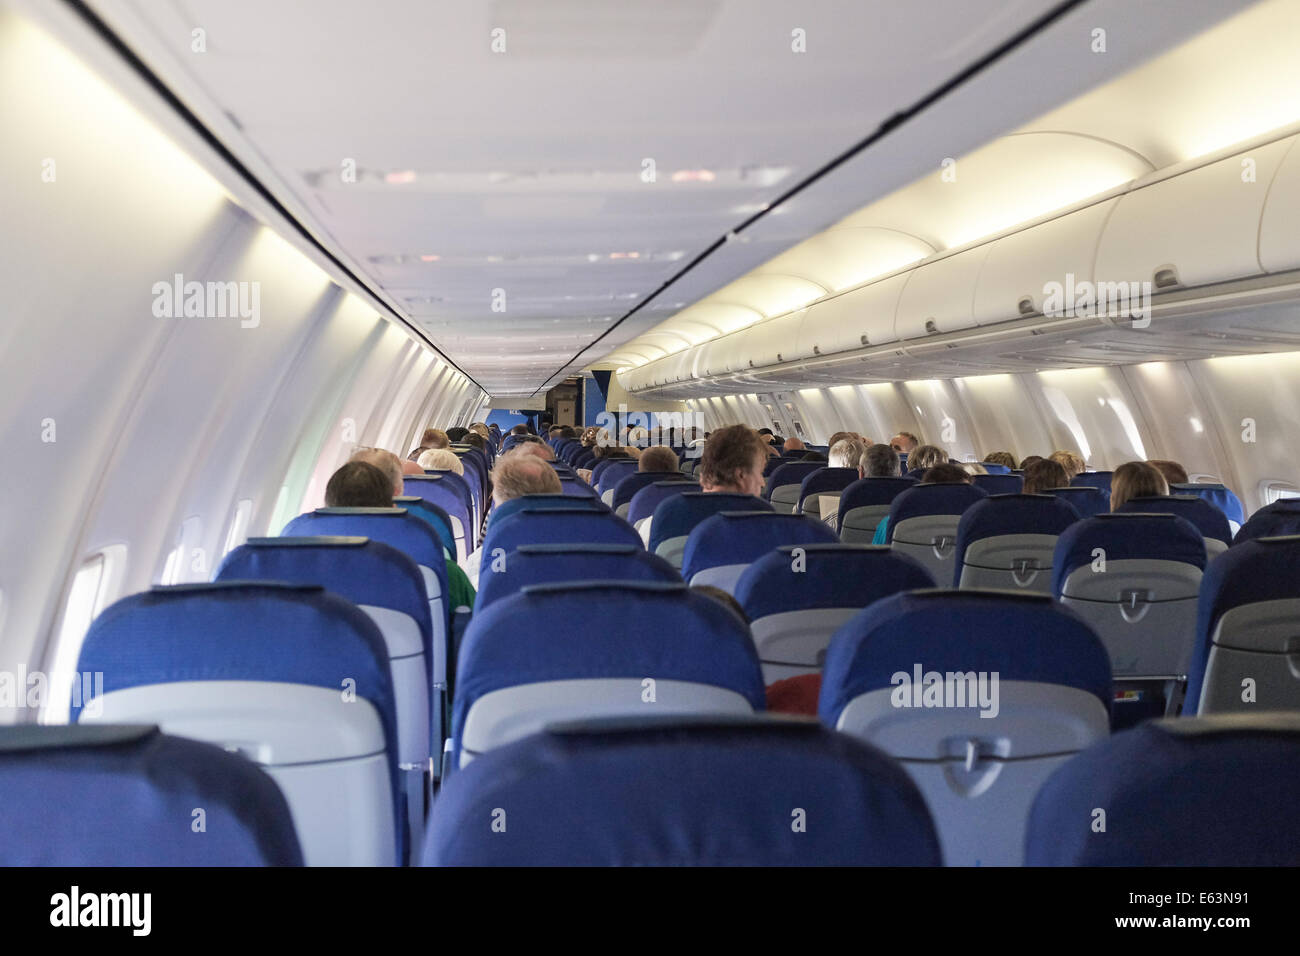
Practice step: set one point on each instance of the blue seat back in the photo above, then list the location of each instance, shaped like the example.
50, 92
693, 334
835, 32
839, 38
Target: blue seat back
720, 548
1000, 483
731, 782
557, 526
864, 503
1093, 479
824, 480
629, 485
124, 795
677, 515
1007, 541
566, 563
1275, 520
1221, 497
1088, 501
1195, 792
645, 500
1208, 519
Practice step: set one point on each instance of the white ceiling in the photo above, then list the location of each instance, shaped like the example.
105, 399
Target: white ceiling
521, 170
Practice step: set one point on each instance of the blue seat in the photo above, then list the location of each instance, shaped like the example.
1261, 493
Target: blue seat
1001, 483
1093, 479
1246, 644
1222, 498
110, 796
577, 487
980, 694
1203, 791
782, 486
1208, 519
697, 793
583, 459
1134, 578
293, 677
450, 493
676, 516
1086, 500
562, 563
621, 497
603, 464
611, 475
387, 585
823, 481
537, 502
995, 469
400, 529
1007, 541
864, 504
796, 601
643, 503
672, 652
720, 548
923, 524
557, 526
435, 515
1276, 520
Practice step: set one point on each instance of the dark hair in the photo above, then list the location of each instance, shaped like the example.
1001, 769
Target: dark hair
947, 474
359, 484
457, 435
476, 440
813, 456
880, 461
730, 453
723, 598
1024, 464
519, 430
1175, 474
1043, 474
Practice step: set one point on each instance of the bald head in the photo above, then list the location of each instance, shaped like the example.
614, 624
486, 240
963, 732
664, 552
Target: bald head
385, 461
516, 475
794, 444
535, 449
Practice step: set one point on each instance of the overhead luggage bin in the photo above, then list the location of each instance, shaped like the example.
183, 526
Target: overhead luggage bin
940, 294
856, 319
1279, 240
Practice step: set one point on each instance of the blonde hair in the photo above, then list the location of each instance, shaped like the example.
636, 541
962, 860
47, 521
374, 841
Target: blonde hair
441, 459
1072, 463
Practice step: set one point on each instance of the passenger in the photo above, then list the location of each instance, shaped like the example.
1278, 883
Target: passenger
1030, 460
840, 436
845, 453
535, 447
475, 440
942, 473
457, 435
389, 464
411, 467
1174, 473
481, 429
519, 430
905, 443
733, 461
515, 474
359, 484
1072, 463
1135, 479
878, 461
432, 438
1044, 474
1000, 458
925, 456
441, 459
723, 598
946, 474
794, 444
658, 458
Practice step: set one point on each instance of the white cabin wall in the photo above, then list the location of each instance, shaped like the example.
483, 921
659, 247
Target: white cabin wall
134, 436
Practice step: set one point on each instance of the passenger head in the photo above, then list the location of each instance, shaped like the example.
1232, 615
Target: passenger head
1000, 458
520, 429
475, 440
434, 438
946, 474
1070, 461
1029, 460
1174, 473
411, 468
1043, 474
555, 431
733, 461
1135, 479
480, 429
457, 434
359, 484
845, 453
386, 462
794, 444
516, 475
590, 436
567, 431
534, 447
926, 456
879, 461
658, 458
441, 459
723, 598
840, 436
905, 443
